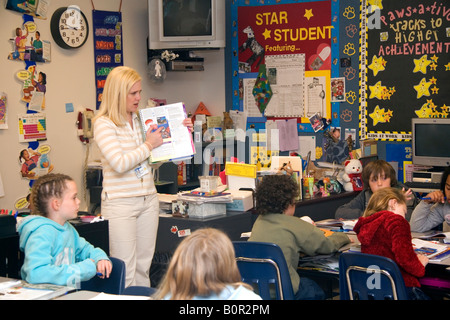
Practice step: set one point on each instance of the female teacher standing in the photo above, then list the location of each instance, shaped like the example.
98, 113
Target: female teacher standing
129, 199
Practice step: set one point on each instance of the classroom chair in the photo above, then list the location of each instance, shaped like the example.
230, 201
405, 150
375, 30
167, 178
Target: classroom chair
139, 291
115, 284
263, 266
369, 277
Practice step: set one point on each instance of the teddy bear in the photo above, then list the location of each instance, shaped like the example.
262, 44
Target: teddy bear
352, 176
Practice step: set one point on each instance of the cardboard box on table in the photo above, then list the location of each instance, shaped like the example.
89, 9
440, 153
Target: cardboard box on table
240, 176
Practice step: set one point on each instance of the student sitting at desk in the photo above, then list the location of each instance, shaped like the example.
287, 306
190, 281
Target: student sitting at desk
384, 231
275, 203
435, 210
54, 252
375, 175
203, 267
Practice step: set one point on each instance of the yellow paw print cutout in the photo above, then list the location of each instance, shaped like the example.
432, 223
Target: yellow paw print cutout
349, 49
350, 97
349, 13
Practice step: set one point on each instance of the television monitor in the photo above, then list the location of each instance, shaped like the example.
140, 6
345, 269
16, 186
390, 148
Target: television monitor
431, 142
186, 24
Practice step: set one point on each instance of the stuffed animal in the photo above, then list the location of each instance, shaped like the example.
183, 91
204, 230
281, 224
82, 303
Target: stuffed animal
352, 180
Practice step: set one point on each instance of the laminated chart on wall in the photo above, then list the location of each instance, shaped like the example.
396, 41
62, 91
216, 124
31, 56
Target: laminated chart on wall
32, 127
406, 55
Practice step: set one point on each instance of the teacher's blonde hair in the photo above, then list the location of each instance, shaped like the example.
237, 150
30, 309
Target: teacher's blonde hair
114, 98
203, 263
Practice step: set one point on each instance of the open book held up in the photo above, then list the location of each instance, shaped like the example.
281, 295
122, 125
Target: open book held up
177, 140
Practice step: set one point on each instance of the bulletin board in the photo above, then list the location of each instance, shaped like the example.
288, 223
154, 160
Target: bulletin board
326, 32
406, 55
296, 42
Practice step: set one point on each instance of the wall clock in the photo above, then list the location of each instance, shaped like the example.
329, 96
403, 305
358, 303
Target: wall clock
69, 27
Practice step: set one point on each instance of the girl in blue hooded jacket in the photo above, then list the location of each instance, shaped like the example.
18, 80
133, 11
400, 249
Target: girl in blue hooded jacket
54, 251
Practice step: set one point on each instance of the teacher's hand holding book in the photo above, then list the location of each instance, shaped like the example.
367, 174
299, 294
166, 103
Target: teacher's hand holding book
153, 137
187, 122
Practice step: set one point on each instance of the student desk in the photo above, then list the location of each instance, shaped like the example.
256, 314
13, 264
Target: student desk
172, 230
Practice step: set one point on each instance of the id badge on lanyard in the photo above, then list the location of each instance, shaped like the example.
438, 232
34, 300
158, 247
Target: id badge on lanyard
141, 171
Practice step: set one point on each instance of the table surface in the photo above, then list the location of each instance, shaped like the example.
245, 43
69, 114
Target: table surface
60, 291
91, 295
84, 294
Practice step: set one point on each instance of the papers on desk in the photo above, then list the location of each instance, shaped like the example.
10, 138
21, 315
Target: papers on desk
199, 198
324, 263
346, 225
21, 290
9, 284
445, 236
434, 251
195, 204
441, 256
165, 201
194, 196
107, 296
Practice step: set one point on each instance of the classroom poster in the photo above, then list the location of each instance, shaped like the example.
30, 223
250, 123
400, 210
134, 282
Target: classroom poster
27, 44
407, 55
35, 162
35, 8
34, 87
32, 127
108, 52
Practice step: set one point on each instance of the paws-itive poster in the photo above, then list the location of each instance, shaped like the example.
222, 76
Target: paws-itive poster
407, 59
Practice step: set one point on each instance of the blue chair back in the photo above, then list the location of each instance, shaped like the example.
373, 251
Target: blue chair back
370, 277
139, 291
263, 266
115, 284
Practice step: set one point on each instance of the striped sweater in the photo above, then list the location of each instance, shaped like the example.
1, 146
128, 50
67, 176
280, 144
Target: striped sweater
123, 150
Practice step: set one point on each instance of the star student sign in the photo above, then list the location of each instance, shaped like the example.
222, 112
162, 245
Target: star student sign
289, 28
